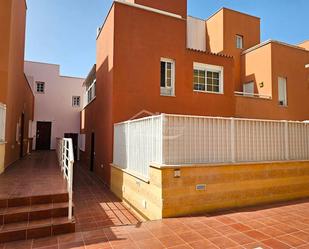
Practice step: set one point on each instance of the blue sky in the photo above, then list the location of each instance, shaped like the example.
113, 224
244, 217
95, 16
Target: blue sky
64, 31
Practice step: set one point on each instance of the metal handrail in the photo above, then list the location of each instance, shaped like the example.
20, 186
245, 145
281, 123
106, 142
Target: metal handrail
66, 161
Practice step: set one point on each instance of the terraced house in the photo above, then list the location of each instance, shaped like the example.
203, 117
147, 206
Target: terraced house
154, 58
16, 97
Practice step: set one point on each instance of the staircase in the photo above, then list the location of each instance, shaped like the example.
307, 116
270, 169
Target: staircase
25, 218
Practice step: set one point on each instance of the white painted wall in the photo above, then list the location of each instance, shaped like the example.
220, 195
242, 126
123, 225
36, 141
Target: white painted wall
55, 105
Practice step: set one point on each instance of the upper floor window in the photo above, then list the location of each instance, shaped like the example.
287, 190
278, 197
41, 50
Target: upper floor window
91, 92
40, 87
167, 83
208, 78
239, 41
76, 101
248, 88
282, 92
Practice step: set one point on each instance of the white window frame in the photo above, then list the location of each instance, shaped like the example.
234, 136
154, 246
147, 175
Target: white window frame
245, 88
76, 101
210, 68
239, 41
2, 122
282, 101
36, 87
91, 90
168, 91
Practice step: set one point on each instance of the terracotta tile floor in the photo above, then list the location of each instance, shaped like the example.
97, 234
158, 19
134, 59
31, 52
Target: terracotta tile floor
37, 175
104, 223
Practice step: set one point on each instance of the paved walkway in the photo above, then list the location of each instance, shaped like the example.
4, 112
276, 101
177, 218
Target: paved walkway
104, 223
36, 175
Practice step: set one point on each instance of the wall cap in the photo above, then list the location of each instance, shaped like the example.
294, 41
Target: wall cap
165, 166
131, 173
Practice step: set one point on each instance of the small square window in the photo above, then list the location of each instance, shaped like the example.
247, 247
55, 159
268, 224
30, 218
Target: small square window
76, 101
40, 87
239, 41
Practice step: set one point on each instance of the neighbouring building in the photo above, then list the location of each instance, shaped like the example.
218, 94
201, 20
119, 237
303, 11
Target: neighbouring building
58, 103
16, 97
88, 123
154, 58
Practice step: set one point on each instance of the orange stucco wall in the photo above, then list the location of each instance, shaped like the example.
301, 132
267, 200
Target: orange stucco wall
222, 29
128, 57
15, 91
98, 119
266, 64
128, 71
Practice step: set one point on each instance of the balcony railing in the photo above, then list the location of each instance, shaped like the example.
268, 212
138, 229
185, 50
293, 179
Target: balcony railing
252, 95
66, 162
2, 122
188, 140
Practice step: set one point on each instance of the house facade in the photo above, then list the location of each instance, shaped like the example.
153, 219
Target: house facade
153, 58
16, 97
58, 104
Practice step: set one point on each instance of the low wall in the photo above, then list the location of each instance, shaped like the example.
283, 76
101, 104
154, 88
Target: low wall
207, 188
144, 196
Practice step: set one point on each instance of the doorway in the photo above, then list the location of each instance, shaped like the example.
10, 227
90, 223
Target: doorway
92, 152
22, 126
74, 137
43, 135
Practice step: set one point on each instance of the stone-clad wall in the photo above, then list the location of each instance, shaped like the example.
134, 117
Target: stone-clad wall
227, 186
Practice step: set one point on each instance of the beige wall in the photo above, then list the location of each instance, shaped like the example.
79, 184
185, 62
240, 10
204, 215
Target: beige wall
138, 193
227, 186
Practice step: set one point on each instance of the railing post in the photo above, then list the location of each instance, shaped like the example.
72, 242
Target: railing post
128, 147
286, 140
233, 140
162, 138
70, 190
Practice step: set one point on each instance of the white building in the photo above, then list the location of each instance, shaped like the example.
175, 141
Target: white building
58, 102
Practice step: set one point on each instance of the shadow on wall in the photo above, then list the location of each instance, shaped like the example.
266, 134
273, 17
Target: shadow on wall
99, 121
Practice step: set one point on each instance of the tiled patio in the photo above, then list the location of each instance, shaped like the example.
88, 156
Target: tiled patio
104, 223
36, 175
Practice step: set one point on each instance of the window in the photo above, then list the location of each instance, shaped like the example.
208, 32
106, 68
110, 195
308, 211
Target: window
248, 89
208, 78
76, 101
239, 41
282, 93
167, 77
40, 87
91, 92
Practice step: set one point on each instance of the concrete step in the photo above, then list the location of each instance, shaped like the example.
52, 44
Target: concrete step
33, 212
33, 200
36, 229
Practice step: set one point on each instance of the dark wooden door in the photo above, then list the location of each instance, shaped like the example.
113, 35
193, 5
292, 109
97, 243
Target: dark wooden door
43, 135
74, 137
22, 126
92, 152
